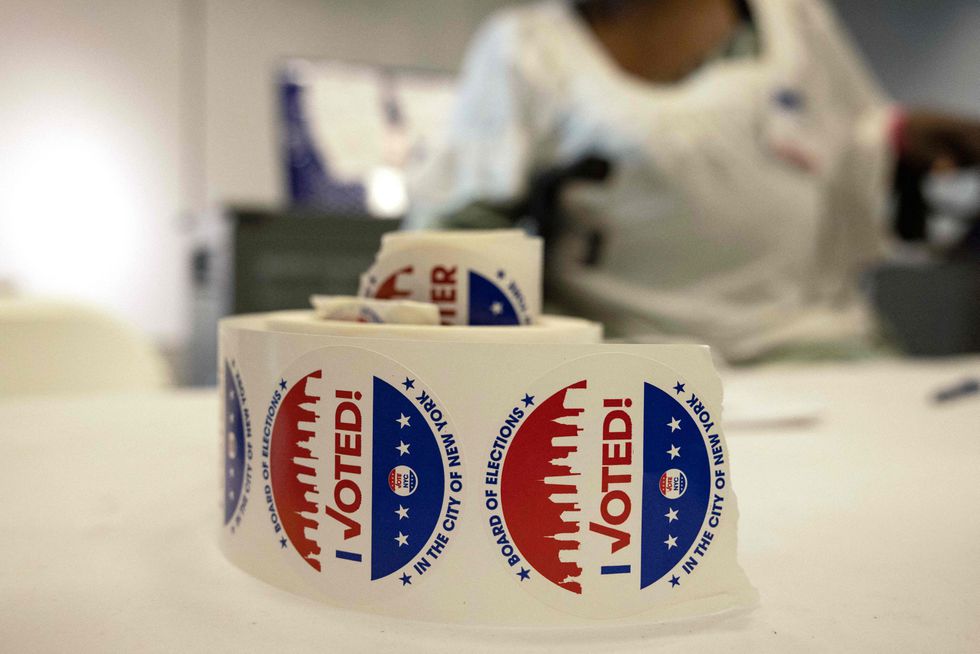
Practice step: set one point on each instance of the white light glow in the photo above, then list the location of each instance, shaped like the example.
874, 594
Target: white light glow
387, 195
68, 216
90, 157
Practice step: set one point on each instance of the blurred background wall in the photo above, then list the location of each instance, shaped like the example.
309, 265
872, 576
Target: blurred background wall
921, 50
91, 154
120, 120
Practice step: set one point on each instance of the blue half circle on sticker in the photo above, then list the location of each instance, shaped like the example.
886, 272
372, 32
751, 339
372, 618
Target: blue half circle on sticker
488, 305
676, 484
408, 486
234, 444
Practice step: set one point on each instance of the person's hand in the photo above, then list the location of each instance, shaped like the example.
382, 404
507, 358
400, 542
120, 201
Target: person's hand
936, 141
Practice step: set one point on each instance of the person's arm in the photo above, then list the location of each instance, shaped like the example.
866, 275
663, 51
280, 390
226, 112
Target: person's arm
933, 140
856, 115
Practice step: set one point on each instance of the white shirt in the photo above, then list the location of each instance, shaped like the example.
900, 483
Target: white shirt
743, 201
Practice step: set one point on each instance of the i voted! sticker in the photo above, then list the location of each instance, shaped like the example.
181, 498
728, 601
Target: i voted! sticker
605, 485
362, 473
238, 452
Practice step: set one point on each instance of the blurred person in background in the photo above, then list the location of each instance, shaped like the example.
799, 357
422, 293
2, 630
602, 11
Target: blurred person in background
752, 157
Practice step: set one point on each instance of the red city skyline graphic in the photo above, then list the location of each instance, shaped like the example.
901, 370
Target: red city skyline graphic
533, 483
388, 289
292, 472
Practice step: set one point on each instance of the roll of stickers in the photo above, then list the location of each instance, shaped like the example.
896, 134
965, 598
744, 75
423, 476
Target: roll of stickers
476, 277
475, 482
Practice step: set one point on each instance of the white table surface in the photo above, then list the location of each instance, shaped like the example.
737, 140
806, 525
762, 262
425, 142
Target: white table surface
860, 529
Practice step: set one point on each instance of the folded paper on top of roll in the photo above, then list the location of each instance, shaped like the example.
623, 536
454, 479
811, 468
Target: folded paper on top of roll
360, 309
474, 277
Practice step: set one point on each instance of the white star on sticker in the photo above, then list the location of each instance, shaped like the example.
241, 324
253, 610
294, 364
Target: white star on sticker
403, 421
401, 511
674, 425
231, 472
402, 539
231, 418
231, 395
496, 308
402, 448
670, 542
231, 495
671, 515
674, 451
